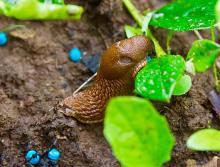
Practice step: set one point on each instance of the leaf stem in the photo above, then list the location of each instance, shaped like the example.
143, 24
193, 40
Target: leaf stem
139, 18
159, 50
169, 38
213, 33
215, 73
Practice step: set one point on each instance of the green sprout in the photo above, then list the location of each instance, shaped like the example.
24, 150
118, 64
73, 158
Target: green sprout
159, 86
138, 134
131, 124
205, 140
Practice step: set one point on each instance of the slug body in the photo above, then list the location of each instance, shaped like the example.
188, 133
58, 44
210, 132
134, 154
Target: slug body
115, 77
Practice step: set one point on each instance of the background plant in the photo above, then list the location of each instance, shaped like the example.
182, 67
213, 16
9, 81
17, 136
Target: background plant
39, 10
164, 76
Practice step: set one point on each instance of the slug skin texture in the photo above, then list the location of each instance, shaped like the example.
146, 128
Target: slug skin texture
119, 65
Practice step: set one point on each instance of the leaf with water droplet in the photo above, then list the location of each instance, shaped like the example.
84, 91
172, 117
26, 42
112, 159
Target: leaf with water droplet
183, 85
185, 15
203, 54
137, 133
157, 80
205, 140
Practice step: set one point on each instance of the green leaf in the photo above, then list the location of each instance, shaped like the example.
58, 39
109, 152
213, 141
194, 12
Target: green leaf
53, 1
35, 10
185, 15
146, 21
203, 54
137, 133
132, 31
205, 140
156, 81
183, 85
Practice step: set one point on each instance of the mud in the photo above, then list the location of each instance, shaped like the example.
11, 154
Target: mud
35, 73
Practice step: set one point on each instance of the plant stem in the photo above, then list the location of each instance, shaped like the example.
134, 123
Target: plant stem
169, 37
213, 33
158, 48
215, 73
139, 18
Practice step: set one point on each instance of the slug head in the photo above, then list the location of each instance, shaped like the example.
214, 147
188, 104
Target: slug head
124, 57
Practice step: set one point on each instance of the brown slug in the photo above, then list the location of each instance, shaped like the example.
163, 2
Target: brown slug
115, 77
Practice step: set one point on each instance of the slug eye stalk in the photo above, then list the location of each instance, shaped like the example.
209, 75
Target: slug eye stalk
36, 10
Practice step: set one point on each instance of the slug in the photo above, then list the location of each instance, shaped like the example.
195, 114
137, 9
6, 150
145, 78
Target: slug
115, 77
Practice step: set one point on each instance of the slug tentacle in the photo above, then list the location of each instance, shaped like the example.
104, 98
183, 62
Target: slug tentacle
119, 65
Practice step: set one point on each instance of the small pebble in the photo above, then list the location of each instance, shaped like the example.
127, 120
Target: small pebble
3, 38
54, 154
32, 157
75, 55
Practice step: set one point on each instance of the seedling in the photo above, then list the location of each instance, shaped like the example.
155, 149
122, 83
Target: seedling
205, 140
139, 135
161, 78
40, 10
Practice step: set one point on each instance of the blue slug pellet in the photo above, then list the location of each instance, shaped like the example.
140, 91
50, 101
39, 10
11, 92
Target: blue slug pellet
149, 58
3, 39
32, 157
75, 55
54, 154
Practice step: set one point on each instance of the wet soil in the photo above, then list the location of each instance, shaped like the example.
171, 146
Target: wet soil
35, 73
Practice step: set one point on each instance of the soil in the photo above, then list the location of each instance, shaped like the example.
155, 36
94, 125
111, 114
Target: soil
35, 74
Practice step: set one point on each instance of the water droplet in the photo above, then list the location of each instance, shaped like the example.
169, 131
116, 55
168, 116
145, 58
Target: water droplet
143, 88
176, 18
163, 91
200, 24
165, 72
171, 80
158, 15
151, 82
152, 91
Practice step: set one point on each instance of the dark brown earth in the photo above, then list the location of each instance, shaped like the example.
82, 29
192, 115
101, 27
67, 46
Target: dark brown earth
35, 73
